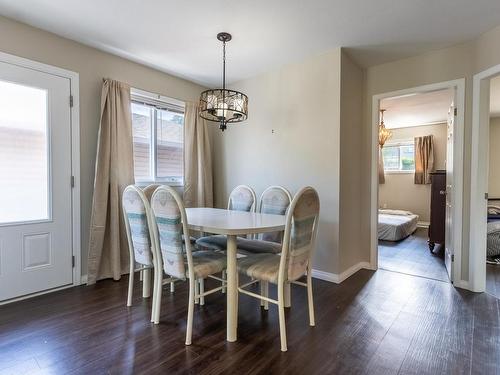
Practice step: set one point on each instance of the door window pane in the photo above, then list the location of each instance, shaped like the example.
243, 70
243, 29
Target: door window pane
141, 130
24, 168
169, 145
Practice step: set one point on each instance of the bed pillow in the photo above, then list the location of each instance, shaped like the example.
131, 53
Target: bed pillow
395, 212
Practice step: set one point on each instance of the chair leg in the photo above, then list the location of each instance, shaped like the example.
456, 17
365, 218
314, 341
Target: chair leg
196, 291
130, 284
310, 299
202, 290
262, 292
172, 287
265, 284
146, 283
157, 297
155, 292
223, 277
281, 313
288, 295
189, 326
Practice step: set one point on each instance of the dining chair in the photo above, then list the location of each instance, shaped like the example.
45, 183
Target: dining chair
135, 207
242, 198
295, 259
168, 225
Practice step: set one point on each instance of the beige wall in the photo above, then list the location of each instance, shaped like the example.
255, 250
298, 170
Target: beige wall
92, 66
399, 191
291, 138
298, 113
494, 163
351, 237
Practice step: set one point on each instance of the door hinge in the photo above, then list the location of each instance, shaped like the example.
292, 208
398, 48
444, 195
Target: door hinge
455, 111
73, 261
452, 257
485, 195
71, 101
72, 181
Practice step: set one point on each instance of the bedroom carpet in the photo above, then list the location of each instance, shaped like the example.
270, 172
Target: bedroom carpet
411, 256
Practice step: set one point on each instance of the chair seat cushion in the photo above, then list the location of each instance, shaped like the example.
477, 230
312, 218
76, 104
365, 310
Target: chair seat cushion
260, 266
219, 242
259, 246
207, 263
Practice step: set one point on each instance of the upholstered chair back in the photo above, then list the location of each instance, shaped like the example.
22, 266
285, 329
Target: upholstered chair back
300, 233
274, 200
169, 216
135, 210
149, 190
242, 198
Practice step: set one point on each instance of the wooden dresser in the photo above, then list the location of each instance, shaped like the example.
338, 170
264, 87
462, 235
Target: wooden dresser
438, 209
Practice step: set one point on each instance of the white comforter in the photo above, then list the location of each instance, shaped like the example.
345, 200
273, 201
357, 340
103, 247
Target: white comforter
394, 225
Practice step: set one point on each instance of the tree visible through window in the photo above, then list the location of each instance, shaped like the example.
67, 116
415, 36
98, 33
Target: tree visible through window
158, 135
399, 157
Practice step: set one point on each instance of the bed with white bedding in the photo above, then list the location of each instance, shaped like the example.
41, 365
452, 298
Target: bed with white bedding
394, 225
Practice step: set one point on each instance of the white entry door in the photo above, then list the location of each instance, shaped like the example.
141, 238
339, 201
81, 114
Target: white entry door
35, 182
448, 250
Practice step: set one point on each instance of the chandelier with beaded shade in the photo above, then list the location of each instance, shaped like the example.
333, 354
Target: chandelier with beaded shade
223, 105
383, 133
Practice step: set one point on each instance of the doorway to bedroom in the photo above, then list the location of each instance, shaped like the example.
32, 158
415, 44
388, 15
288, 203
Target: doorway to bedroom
415, 182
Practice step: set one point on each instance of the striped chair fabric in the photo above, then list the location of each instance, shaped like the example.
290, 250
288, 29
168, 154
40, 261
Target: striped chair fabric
135, 214
168, 221
242, 198
302, 230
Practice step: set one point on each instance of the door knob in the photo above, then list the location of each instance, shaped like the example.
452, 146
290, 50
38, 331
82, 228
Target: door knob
442, 192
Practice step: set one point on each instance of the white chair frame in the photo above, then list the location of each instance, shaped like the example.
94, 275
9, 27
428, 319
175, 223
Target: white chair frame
282, 273
145, 270
196, 287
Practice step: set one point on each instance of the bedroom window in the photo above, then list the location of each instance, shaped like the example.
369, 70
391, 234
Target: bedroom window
158, 135
399, 157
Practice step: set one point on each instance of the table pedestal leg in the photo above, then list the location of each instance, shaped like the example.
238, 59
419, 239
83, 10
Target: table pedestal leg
232, 290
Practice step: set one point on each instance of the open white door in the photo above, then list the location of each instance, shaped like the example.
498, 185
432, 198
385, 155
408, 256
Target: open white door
35, 182
449, 256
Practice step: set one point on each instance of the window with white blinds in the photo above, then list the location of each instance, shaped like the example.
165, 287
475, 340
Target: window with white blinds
158, 131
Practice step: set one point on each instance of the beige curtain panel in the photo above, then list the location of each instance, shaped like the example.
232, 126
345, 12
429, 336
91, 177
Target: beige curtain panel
424, 159
108, 253
381, 175
198, 180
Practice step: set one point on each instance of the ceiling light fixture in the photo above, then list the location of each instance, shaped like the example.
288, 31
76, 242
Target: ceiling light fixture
383, 133
223, 105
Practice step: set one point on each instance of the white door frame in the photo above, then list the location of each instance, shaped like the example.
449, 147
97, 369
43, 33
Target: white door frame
75, 149
458, 164
479, 177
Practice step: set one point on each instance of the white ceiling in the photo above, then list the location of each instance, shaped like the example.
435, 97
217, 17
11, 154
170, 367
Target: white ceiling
417, 109
179, 36
495, 97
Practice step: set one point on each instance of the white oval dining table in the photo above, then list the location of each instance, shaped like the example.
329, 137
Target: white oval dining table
232, 224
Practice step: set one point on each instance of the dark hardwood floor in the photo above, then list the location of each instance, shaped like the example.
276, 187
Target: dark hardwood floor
493, 279
412, 256
373, 323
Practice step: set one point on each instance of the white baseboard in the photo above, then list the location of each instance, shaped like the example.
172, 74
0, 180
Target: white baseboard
338, 278
462, 284
423, 224
83, 280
